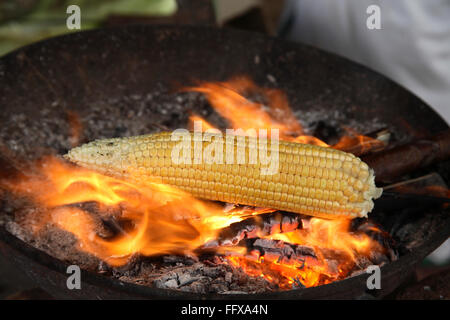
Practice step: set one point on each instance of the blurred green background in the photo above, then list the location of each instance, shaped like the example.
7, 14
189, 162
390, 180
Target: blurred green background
26, 21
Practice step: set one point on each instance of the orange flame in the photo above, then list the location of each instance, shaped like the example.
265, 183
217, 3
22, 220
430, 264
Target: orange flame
165, 219
323, 236
229, 100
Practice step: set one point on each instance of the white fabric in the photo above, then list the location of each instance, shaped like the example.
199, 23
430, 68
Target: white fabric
412, 47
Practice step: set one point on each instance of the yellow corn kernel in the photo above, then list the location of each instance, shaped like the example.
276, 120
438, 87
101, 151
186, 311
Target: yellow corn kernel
311, 180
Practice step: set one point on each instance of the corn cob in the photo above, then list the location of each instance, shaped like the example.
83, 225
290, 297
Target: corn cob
311, 180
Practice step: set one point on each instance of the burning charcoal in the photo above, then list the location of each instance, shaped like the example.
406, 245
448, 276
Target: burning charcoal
357, 273
162, 285
166, 278
279, 248
103, 267
217, 260
210, 263
257, 226
363, 262
378, 258
23, 228
94, 208
242, 277
148, 269
131, 268
297, 284
184, 260
171, 284
267, 246
228, 277
301, 250
212, 272
386, 241
186, 279
218, 287
332, 265
196, 287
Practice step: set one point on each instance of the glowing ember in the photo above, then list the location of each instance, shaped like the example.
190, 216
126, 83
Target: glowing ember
324, 236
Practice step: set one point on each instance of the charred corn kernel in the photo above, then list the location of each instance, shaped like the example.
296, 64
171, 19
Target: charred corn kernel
310, 179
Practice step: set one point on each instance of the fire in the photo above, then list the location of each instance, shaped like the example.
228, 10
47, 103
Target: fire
330, 234
229, 100
165, 220
205, 125
323, 236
